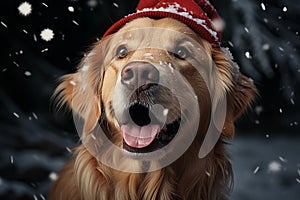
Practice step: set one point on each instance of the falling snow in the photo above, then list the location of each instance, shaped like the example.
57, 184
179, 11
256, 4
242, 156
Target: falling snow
92, 3
68, 149
42, 197
93, 137
47, 34
53, 176
12, 159
256, 170
3, 24
116, 5
27, 73
277, 48
73, 83
16, 115
44, 50
149, 55
25, 8
35, 116
259, 110
218, 24
207, 173
248, 55
166, 111
85, 68
34, 38
263, 7
284, 9
71, 8
274, 166
282, 159
45, 5
75, 22
15, 63
266, 47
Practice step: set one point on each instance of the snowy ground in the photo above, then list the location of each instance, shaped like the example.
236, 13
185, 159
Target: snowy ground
265, 168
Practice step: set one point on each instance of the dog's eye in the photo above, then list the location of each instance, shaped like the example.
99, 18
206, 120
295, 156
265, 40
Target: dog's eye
122, 52
181, 53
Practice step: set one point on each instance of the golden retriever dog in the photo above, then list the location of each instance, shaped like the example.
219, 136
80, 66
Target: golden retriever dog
152, 86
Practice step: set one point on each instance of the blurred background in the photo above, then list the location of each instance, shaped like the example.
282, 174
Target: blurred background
40, 40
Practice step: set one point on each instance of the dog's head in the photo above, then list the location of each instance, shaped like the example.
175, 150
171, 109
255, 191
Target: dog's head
152, 84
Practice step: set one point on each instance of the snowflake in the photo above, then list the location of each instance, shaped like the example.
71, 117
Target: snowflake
12, 159
218, 24
166, 111
25, 8
256, 170
263, 7
47, 34
45, 5
74, 22
27, 73
16, 115
248, 55
34, 115
92, 3
85, 68
53, 176
116, 5
274, 166
71, 8
284, 9
3, 24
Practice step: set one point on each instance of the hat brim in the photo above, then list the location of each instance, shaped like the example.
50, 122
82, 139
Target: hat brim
201, 29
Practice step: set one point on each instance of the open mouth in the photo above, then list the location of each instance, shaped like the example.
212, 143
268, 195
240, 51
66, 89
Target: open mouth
146, 131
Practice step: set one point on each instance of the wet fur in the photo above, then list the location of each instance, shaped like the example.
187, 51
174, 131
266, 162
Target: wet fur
189, 177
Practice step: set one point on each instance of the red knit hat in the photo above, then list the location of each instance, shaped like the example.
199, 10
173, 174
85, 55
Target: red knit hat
199, 15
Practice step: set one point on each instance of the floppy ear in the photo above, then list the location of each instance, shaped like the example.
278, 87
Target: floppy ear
239, 98
80, 92
240, 90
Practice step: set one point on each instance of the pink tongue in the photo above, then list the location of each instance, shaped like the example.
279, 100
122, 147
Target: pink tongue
139, 137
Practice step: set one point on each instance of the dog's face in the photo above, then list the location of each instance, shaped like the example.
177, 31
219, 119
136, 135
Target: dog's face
154, 81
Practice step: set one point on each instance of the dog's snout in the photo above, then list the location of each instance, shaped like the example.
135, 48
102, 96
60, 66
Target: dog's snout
139, 75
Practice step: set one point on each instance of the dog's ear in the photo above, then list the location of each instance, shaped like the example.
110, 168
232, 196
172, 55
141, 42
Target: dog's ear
239, 98
80, 91
240, 90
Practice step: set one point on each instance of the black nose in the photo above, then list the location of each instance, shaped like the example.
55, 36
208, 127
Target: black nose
139, 75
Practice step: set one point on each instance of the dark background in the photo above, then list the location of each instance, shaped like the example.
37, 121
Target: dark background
35, 140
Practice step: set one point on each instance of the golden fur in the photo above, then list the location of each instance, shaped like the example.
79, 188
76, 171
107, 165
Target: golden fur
189, 177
